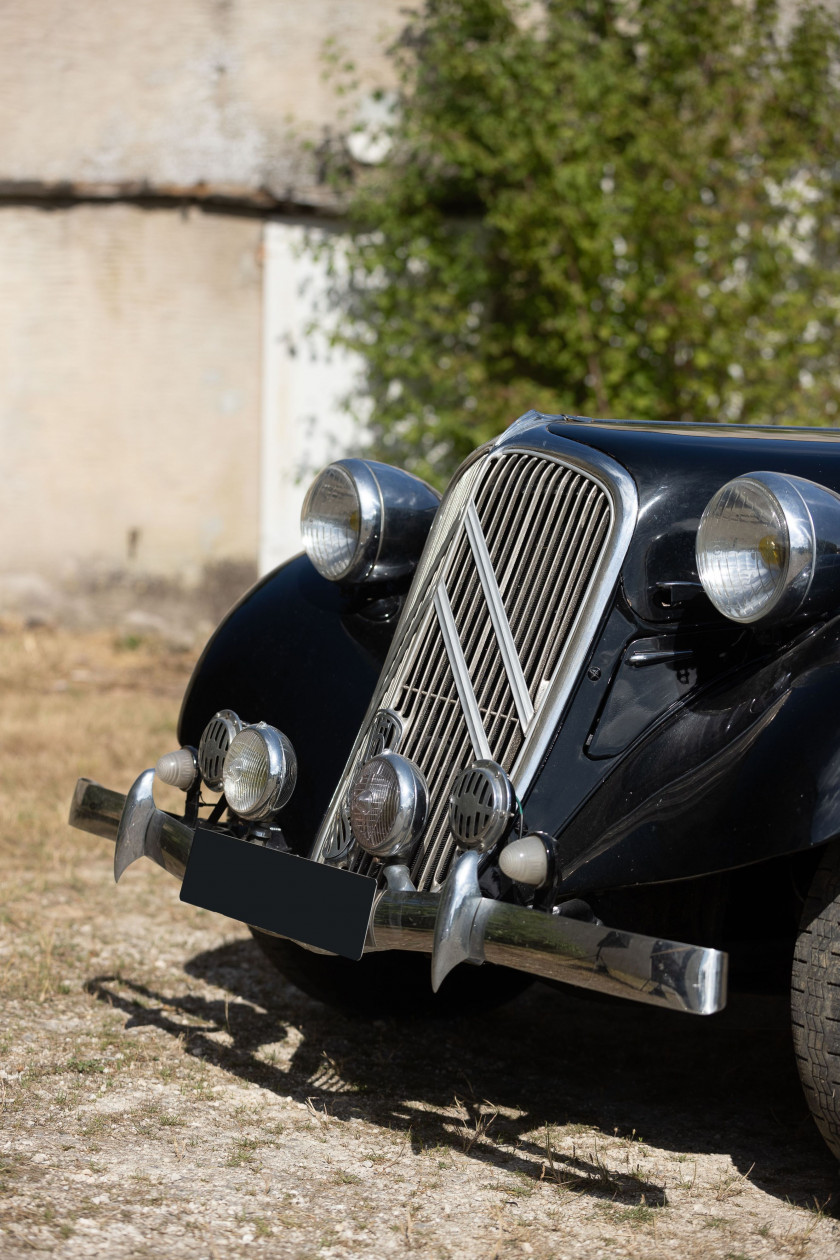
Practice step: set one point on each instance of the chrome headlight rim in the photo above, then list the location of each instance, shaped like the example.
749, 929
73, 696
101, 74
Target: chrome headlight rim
796, 573
411, 811
387, 511
280, 776
361, 481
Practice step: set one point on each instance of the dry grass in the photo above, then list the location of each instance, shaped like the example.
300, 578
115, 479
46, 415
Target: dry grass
162, 1092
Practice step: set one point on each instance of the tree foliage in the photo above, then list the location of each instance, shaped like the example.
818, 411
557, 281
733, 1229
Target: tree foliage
608, 207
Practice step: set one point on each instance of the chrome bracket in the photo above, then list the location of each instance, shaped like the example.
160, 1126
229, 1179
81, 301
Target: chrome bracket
398, 878
138, 833
461, 920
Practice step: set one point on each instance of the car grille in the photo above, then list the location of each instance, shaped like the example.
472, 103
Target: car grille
518, 545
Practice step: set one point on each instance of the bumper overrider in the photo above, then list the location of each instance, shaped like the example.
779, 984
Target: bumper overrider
343, 912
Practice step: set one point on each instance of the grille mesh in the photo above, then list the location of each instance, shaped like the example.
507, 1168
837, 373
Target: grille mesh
545, 525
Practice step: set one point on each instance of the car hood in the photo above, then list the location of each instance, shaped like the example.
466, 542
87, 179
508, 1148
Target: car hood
677, 469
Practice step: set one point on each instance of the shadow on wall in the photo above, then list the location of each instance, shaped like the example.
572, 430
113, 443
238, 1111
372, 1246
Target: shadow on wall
723, 1084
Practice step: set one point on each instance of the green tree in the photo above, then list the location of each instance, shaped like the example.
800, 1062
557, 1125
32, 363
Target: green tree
608, 207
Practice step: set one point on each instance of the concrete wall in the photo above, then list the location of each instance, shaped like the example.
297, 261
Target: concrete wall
167, 95
129, 389
161, 403
304, 381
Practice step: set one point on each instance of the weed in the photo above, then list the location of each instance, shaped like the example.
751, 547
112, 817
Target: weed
84, 1066
474, 1126
95, 1124
640, 1214
242, 1152
169, 1119
731, 1183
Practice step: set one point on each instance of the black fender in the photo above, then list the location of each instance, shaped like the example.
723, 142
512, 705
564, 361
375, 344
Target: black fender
303, 654
750, 770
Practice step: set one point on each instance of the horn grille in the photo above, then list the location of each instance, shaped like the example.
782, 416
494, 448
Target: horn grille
214, 743
481, 806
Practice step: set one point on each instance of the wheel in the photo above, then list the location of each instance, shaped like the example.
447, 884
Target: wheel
391, 983
815, 998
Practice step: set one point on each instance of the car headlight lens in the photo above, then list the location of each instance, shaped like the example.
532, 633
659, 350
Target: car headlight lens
388, 805
363, 520
756, 547
340, 516
260, 771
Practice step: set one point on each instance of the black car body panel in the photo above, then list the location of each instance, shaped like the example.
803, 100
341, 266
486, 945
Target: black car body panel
658, 771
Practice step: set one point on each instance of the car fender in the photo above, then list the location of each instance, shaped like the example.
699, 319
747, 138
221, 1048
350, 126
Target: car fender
304, 655
748, 771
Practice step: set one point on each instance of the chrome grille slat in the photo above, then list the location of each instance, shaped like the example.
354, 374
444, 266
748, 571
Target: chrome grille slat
555, 566
507, 545
550, 534
570, 576
552, 555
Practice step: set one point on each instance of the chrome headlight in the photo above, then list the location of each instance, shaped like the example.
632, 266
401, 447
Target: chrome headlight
388, 805
362, 520
767, 549
260, 771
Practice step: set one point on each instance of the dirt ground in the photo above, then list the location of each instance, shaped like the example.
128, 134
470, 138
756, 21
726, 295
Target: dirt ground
165, 1093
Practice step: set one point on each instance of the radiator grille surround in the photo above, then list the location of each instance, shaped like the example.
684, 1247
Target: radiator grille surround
514, 581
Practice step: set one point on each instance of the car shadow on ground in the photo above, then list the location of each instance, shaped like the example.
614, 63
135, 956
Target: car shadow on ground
487, 1084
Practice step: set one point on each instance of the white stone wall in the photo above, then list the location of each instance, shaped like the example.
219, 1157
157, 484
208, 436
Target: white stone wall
304, 382
130, 359
172, 95
152, 417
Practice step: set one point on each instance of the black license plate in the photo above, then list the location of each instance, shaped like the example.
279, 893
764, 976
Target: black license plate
307, 901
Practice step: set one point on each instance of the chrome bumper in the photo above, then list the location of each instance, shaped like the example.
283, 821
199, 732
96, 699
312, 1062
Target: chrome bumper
457, 925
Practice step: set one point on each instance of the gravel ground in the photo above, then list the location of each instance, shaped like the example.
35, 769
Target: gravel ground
165, 1092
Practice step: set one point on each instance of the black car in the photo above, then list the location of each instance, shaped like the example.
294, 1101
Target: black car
578, 712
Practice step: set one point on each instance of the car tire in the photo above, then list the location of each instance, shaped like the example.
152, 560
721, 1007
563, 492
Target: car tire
393, 983
815, 998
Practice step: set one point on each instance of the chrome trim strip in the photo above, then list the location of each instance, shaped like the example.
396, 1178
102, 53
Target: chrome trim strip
460, 673
688, 978
498, 616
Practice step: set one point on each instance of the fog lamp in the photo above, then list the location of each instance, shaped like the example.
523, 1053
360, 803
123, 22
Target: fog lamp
260, 771
388, 804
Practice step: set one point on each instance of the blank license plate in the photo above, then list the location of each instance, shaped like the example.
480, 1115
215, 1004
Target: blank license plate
306, 901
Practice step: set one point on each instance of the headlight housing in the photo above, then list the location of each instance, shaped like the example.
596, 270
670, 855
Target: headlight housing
767, 548
388, 804
260, 771
366, 521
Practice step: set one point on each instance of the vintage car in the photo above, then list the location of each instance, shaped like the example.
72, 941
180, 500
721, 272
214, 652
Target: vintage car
579, 712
